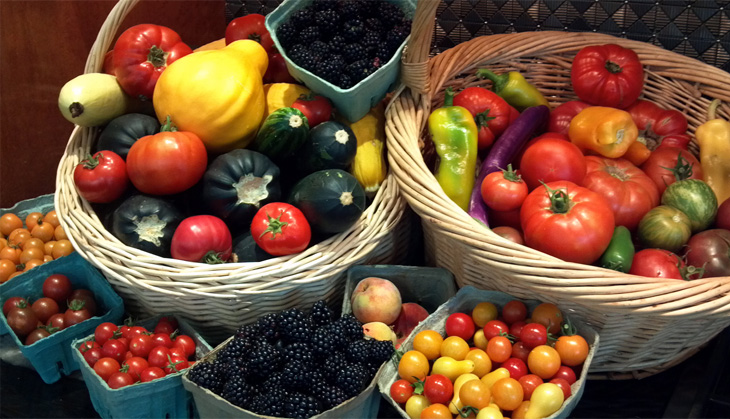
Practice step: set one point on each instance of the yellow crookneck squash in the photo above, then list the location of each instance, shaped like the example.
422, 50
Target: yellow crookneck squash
216, 94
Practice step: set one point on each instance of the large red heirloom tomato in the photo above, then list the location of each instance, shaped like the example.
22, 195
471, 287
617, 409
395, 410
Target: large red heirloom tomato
607, 75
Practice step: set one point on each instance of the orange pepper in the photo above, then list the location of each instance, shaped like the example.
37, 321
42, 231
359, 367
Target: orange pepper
603, 130
637, 153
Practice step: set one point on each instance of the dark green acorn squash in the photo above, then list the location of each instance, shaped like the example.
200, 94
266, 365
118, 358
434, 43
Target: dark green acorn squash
146, 223
245, 249
332, 200
282, 134
123, 131
238, 183
331, 145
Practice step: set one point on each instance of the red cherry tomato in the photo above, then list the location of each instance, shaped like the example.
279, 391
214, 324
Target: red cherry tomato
461, 325
520, 351
164, 326
136, 366
44, 308
514, 311
151, 373
533, 334
564, 385
105, 367
566, 373
114, 348
529, 383
158, 357
141, 344
186, 343
93, 355
119, 379
401, 390
316, 108
499, 348
58, 287
495, 328
162, 339
106, 331
176, 364
13, 302
516, 367
438, 389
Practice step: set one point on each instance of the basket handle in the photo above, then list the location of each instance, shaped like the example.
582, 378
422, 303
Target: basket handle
414, 64
95, 60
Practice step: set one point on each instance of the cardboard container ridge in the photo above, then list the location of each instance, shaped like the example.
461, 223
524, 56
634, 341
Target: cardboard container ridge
355, 102
161, 398
52, 356
465, 300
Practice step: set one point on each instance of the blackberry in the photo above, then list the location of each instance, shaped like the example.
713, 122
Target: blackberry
390, 14
320, 5
360, 70
275, 380
380, 351
249, 331
337, 333
294, 326
337, 44
351, 9
208, 376
374, 24
395, 37
352, 378
357, 351
352, 327
302, 18
330, 68
297, 376
329, 396
384, 52
263, 360
298, 351
354, 52
308, 35
328, 21
301, 406
270, 402
345, 81
321, 314
370, 41
323, 343
267, 326
353, 30
238, 391
320, 47
303, 57
287, 34
235, 349
232, 367
332, 366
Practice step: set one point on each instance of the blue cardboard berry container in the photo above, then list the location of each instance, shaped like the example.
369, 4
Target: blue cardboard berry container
52, 356
464, 301
161, 398
355, 102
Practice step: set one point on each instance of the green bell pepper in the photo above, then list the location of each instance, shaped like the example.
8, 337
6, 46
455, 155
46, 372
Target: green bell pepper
513, 88
620, 251
454, 134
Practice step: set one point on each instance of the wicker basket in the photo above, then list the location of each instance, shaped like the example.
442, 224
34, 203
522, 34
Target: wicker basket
217, 299
646, 324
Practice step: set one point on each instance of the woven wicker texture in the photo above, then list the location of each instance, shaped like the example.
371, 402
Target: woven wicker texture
219, 298
646, 324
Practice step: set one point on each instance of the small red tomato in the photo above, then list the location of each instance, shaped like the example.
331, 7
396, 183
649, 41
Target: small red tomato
101, 178
93, 355
58, 287
164, 326
566, 373
461, 325
136, 366
151, 373
514, 311
87, 296
13, 302
560, 382
141, 345
36, 335
516, 367
105, 367
281, 229
89, 344
22, 321
520, 351
516, 328
105, 331
176, 364
158, 357
533, 335
162, 339
56, 321
186, 343
438, 389
316, 108
495, 328
504, 190
529, 383
119, 379
114, 348
401, 390
76, 313
44, 308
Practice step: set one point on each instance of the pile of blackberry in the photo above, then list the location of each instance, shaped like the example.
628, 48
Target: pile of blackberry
294, 364
344, 41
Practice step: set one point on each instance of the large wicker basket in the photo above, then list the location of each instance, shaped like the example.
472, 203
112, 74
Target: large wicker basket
219, 298
646, 324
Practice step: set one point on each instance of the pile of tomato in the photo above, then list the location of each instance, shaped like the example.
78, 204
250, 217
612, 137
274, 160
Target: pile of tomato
61, 306
30, 242
490, 364
129, 354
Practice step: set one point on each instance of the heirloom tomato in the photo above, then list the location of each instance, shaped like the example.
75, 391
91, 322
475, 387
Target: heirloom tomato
658, 263
202, 238
723, 215
101, 178
628, 190
665, 228
550, 158
710, 249
659, 127
142, 53
567, 221
504, 190
492, 113
607, 75
664, 162
561, 116
251, 26
281, 229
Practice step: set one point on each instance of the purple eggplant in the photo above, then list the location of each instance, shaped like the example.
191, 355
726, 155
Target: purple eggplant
531, 121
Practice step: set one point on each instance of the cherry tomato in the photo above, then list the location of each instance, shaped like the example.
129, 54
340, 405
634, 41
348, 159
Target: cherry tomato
461, 325
475, 393
520, 351
543, 361
22, 320
87, 296
164, 326
455, 347
499, 348
105, 331
105, 367
316, 108
175, 351
151, 373
101, 178
281, 229
10, 222
549, 315
119, 379
89, 344
277, 72
516, 328
516, 367
514, 311
56, 321
533, 334
504, 190
114, 348
436, 411
415, 405
483, 313
136, 366
566, 373
507, 393
176, 364
58, 287
529, 383
92, 356
564, 385
495, 328
400, 391
428, 342
36, 335
413, 366
76, 313
573, 349
14, 302
510, 233
186, 344
162, 339
438, 389
158, 357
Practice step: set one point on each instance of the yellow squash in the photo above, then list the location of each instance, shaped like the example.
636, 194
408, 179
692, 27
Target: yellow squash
282, 95
216, 94
369, 167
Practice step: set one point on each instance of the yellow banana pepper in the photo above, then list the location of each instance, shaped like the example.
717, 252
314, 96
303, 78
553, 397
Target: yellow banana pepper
713, 138
603, 130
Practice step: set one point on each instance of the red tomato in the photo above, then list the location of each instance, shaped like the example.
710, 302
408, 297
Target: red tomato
628, 190
158, 357
505, 219
44, 308
504, 190
114, 348
141, 345
136, 366
87, 296
106, 331
93, 355
167, 162
105, 367
101, 178
151, 373
510, 233
251, 26
277, 72
657, 263
142, 53
567, 221
516, 328
14, 302
175, 351
401, 390
664, 161
58, 287
281, 229
533, 334
566, 373
564, 385
22, 320
176, 364
56, 321
516, 367
561, 116
186, 344
514, 311
89, 344
709, 249
161, 339
438, 389
495, 328
722, 220
529, 383
550, 158
166, 326
491, 113
607, 75
36, 334
316, 108
461, 325
659, 127
520, 351
76, 313
202, 238
119, 379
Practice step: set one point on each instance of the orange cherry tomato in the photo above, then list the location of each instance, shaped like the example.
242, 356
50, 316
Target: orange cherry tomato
62, 248
482, 362
499, 348
48, 247
31, 220
3, 242
543, 361
14, 274
12, 253
33, 242
32, 264
475, 393
9, 222
573, 349
548, 315
436, 411
43, 231
19, 236
7, 267
52, 217
413, 366
428, 342
59, 233
507, 393
31, 253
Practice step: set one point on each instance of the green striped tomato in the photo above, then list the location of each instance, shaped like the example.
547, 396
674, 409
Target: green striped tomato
664, 227
694, 198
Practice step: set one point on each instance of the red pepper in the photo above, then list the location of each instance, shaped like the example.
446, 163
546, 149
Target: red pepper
492, 114
142, 53
561, 116
659, 127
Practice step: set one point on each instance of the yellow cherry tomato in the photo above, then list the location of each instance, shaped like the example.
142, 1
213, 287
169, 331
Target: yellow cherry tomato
490, 412
413, 366
455, 347
415, 405
428, 342
494, 376
484, 312
480, 341
482, 362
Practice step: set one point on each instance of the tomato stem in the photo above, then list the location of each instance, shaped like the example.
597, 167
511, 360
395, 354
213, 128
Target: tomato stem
213, 258
168, 126
482, 119
612, 67
157, 56
275, 226
511, 175
560, 202
682, 170
90, 162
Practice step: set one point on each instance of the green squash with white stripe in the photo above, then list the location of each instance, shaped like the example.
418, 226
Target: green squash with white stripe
282, 134
331, 145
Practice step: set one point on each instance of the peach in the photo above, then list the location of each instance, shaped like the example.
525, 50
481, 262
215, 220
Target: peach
410, 315
379, 331
376, 300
